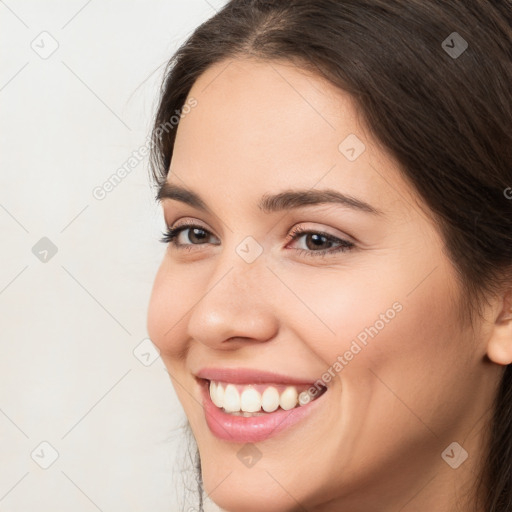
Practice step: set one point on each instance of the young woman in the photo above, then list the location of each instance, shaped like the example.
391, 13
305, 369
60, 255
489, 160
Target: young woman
334, 306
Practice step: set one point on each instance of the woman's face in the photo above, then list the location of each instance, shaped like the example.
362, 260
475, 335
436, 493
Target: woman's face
365, 301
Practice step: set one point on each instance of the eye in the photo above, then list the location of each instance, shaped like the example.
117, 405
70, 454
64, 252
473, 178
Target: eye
318, 243
186, 234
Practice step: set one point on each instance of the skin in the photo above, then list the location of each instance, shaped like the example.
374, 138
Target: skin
421, 383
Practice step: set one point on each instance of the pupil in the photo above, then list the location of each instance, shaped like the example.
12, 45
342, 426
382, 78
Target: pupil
318, 240
194, 234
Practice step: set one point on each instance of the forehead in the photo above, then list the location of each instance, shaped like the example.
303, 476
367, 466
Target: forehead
261, 126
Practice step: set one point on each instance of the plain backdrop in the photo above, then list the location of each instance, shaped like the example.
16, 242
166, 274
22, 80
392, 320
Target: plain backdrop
88, 416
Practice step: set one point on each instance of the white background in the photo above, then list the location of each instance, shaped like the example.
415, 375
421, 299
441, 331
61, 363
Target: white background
69, 325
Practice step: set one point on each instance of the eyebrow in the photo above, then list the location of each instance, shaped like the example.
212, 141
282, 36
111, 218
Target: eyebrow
288, 199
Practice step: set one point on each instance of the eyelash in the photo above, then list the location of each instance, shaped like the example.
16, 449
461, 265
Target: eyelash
169, 237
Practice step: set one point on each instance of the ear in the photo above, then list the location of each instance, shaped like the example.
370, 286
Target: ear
499, 346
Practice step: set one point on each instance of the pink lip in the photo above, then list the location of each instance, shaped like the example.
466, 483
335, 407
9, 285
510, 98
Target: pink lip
249, 376
240, 429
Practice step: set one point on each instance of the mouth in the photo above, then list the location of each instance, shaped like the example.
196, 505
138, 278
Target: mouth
258, 399
250, 412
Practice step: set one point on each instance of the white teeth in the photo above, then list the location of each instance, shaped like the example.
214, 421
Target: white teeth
213, 392
217, 394
252, 401
288, 398
270, 399
231, 402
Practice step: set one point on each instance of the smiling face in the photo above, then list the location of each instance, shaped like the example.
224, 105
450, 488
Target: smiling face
352, 289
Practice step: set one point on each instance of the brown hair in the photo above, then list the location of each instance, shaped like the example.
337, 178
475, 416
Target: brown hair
442, 110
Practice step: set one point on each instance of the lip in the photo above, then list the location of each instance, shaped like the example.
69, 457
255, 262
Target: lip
239, 429
249, 376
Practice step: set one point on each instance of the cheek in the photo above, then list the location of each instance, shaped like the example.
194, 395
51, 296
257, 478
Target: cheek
170, 300
414, 370
338, 310
366, 325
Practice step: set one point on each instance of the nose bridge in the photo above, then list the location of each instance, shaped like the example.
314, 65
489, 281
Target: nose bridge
236, 302
243, 268
247, 268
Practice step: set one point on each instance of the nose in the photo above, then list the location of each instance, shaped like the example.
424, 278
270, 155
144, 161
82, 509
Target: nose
236, 306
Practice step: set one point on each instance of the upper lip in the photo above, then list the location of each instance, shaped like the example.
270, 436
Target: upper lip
248, 376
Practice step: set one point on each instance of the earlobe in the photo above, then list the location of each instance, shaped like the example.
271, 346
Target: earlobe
499, 347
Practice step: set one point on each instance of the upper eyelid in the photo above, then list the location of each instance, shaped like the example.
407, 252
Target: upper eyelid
191, 224
342, 234
295, 232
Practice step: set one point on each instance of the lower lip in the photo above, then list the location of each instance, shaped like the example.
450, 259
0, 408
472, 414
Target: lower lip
240, 429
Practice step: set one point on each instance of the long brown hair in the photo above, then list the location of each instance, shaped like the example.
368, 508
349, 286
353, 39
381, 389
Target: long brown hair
432, 81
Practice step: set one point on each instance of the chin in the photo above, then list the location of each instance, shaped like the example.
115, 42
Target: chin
251, 495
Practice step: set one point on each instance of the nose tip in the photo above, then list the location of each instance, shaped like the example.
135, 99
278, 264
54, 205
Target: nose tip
235, 307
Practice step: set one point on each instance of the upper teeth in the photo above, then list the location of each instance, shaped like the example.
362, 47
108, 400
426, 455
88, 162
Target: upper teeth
228, 397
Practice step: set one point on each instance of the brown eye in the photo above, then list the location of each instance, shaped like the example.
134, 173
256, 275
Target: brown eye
192, 235
195, 235
316, 243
